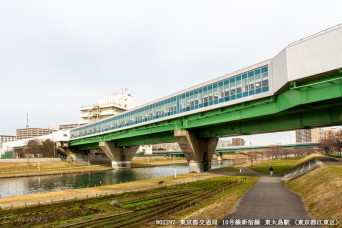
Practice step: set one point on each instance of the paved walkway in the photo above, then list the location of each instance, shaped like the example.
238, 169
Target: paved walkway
244, 172
269, 199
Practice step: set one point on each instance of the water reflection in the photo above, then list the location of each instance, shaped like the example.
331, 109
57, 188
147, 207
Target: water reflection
26, 185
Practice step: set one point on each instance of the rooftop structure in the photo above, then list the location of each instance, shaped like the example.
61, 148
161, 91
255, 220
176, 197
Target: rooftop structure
67, 126
110, 105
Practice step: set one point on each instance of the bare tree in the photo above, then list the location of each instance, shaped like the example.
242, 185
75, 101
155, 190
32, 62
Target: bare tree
326, 145
337, 140
47, 148
32, 147
275, 151
285, 152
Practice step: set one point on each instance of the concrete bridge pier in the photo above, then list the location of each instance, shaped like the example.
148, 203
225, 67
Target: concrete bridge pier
198, 152
121, 157
219, 156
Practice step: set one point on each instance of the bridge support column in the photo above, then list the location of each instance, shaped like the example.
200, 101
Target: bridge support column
219, 156
120, 157
198, 152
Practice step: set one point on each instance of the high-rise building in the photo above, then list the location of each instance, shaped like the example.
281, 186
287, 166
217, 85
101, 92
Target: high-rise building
303, 136
317, 134
329, 134
109, 106
25, 133
238, 142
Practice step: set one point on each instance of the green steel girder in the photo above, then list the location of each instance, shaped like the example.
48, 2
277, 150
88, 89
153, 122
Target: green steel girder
163, 137
255, 148
281, 122
315, 103
89, 146
142, 131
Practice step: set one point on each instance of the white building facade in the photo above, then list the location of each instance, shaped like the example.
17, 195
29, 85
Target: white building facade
110, 105
6, 138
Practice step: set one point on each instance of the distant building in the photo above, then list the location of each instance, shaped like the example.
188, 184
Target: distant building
26, 133
329, 134
166, 146
67, 126
6, 138
303, 136
109, 106
146, 149
238, 142
223, 143
317, 134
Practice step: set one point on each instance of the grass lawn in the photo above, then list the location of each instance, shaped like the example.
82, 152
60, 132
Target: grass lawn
156, 162
321, 190
48, 170
279, 166
282, 166
17, 166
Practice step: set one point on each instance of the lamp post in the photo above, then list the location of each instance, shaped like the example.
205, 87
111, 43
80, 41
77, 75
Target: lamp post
38, 164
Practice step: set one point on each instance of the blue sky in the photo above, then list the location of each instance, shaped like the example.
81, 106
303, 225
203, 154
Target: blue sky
56, 56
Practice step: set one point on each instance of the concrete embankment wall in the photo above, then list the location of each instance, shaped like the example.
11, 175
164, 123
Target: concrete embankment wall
24, 160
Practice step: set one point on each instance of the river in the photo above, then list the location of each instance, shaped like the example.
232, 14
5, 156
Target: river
35, 184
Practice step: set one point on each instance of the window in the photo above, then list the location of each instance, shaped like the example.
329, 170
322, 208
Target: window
216, 96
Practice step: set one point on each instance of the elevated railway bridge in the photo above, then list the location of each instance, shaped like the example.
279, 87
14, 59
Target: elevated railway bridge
301, 87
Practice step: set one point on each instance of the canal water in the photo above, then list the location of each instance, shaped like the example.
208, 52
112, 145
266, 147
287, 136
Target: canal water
26, 185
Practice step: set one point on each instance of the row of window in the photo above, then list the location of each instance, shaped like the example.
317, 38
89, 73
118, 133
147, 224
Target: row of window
239, 86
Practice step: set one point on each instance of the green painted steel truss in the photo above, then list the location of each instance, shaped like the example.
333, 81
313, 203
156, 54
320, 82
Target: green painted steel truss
302, 105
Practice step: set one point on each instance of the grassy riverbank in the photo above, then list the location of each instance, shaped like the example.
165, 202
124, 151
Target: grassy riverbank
281, 166
140, 209
321, 191
151, 162
24, 169
83, 192
45, 168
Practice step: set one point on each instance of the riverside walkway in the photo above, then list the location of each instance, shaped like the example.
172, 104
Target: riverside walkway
269, 200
